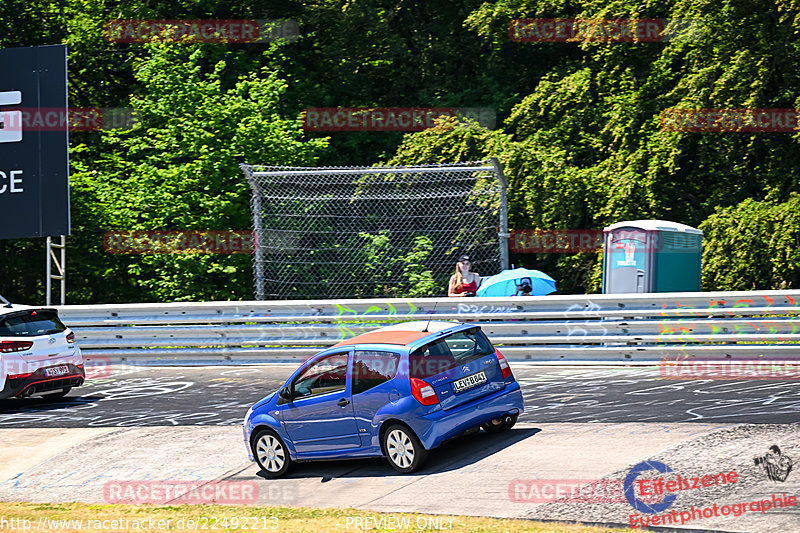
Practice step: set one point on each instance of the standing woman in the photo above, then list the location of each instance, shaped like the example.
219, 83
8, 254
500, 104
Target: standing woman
463, 282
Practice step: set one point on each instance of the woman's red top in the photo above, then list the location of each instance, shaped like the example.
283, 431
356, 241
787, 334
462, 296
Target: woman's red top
467, 287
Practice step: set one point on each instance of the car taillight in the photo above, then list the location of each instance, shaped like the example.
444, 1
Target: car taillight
503, 364
14, 346
423, 392
71, 337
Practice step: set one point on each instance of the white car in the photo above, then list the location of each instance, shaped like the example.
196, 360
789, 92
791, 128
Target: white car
38, 354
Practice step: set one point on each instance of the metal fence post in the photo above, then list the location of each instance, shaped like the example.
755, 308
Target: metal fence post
258, 230
502, 233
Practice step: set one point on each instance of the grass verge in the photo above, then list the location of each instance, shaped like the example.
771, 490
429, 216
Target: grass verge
80, 517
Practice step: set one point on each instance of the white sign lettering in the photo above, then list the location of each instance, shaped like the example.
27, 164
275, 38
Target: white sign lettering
11, 181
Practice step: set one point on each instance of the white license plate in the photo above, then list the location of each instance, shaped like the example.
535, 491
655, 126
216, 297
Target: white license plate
56, 371
469, 382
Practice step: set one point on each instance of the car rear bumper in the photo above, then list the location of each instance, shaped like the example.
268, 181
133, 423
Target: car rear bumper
440, 425
37, 382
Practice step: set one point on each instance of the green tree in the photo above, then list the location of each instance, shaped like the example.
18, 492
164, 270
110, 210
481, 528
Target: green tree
179, 171
753, 245
589, 149
578, 123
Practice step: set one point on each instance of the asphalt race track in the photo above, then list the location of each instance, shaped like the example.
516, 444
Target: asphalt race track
582, 425
180, 396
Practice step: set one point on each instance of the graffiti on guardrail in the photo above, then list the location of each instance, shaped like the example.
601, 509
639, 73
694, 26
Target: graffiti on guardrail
592, 310
374, 317
771, 331
675, 335
681, 325
476, 309
685, 335
759, 301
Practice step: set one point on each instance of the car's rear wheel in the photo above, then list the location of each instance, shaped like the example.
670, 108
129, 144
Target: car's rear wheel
271, 453
403, 449
500, 424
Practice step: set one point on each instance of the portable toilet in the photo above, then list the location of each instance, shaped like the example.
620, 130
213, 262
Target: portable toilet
651, 256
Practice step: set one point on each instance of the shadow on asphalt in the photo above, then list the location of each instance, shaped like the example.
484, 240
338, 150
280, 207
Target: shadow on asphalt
454, 455
42, 404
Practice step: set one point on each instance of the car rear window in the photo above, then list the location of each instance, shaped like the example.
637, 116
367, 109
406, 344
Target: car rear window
30, 324
451, 351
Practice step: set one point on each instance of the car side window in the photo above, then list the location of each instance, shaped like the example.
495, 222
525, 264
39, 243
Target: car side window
329, 374
371, 368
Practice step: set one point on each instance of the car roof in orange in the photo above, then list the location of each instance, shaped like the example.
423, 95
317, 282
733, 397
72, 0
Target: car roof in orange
386, 337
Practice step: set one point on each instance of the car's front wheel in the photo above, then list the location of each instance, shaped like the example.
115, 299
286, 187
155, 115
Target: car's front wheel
271, 453
403, 449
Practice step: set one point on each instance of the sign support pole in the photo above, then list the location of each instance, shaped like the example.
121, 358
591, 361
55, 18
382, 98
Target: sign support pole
60, 264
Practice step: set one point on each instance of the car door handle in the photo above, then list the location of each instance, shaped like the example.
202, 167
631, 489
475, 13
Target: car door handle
343, 402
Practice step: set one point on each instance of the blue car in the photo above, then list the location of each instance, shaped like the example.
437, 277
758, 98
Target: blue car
396, 392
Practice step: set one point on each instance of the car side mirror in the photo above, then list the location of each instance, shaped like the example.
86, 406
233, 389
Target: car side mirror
286, 394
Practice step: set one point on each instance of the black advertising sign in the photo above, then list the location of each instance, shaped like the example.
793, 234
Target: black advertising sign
34, 157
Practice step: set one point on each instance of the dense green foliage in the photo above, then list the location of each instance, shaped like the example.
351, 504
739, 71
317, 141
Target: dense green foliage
753, 245
577, 129
182, 172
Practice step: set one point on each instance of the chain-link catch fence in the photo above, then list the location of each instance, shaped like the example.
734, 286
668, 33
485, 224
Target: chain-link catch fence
358, 232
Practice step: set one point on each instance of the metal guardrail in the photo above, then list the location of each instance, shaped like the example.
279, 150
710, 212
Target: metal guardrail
604, 328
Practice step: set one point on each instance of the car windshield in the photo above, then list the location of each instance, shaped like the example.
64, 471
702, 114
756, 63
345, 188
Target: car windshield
451, 351
31, 323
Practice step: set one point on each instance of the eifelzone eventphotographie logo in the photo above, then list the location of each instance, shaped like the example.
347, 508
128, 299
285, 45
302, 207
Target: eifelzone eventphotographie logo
774, 464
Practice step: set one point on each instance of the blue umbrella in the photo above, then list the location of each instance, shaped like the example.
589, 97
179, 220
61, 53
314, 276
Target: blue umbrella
505, 283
